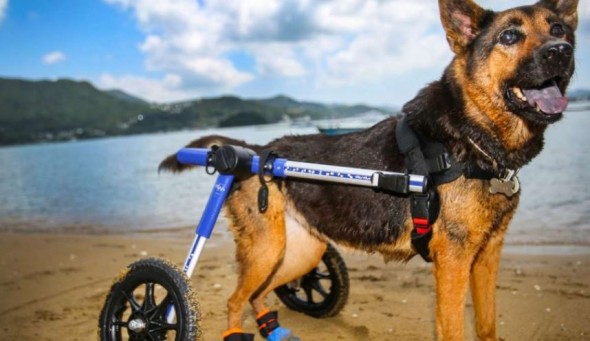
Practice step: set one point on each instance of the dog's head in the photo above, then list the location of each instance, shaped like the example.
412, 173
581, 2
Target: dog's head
513, 63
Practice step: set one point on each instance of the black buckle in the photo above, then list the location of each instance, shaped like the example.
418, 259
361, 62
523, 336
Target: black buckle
425, 205
440, 163
395, 183
424, 209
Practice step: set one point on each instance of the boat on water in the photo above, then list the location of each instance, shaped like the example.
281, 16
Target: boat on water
350, 124
339, 131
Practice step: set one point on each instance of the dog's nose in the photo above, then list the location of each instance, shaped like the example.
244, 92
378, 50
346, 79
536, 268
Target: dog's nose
556, 53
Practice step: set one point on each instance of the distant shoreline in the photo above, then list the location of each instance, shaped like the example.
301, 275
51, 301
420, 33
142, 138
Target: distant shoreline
221, 236
574, 107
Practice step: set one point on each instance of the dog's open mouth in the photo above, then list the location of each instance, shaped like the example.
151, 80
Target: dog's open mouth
546, 98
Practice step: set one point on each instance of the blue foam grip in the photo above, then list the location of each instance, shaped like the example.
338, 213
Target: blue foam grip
193, 156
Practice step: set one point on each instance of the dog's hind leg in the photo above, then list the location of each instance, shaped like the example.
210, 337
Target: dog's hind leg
260, 247
303, 253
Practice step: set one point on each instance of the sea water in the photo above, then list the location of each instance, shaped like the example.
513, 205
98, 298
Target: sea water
112, 185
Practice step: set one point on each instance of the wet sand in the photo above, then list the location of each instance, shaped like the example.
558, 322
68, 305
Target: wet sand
52, 287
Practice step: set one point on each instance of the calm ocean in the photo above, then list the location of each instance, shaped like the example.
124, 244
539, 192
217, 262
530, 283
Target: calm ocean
112, 185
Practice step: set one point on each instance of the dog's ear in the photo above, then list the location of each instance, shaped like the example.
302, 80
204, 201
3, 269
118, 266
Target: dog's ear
566, 10
461, 20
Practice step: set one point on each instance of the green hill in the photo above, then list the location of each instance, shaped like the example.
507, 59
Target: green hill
49, 110
39, 111
125, 96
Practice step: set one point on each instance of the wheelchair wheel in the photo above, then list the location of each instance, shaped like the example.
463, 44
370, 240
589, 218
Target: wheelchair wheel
322, 292
137, 304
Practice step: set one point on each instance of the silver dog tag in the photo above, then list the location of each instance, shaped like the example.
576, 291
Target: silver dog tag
507, 186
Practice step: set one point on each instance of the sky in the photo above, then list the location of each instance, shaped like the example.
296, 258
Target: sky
378, 52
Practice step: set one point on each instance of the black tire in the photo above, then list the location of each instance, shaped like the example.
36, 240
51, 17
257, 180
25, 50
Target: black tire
135, 308
322, 292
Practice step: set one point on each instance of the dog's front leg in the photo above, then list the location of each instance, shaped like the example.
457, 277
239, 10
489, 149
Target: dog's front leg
484, 274
451, 269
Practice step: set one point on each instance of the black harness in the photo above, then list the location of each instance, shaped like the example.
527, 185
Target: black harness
427, 157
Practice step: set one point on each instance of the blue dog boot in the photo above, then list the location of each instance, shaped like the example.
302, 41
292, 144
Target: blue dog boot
269, 328
282, 334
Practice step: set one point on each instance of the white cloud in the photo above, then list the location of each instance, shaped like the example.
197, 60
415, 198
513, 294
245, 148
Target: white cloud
3, 7
333, 43
53, 58
391, 38
166, 89
278, 59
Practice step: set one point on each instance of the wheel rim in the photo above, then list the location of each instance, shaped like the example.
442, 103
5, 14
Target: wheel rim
313, 290
136, 312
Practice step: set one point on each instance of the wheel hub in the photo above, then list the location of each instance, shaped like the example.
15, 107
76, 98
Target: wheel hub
137, 325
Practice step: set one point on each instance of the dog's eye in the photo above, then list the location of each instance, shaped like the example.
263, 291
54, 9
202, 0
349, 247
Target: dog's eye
509, 37
557, 30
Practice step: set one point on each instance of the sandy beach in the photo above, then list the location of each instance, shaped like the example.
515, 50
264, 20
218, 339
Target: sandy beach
52, 287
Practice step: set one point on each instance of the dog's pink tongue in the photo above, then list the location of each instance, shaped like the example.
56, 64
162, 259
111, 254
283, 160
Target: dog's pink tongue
549, 99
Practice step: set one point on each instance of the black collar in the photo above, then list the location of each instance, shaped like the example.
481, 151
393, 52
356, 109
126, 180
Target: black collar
498, 171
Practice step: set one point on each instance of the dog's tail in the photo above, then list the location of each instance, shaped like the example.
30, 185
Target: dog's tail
171, 164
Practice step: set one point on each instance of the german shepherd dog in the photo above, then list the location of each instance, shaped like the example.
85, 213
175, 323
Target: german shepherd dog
490, 109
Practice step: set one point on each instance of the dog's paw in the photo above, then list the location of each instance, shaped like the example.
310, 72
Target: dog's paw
282, 334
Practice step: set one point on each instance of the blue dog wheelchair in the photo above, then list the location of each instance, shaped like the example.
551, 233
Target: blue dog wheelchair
153, 298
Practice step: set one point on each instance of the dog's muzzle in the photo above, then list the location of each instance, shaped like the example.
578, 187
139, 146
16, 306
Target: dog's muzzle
540, 86
555, 56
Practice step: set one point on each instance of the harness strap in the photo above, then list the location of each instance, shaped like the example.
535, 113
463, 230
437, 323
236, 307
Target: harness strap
423, 207
450, 174
440, 163
409, 145
472, 171
265, 156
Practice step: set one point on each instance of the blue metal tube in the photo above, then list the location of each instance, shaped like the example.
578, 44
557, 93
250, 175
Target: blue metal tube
214, 205
284, 168
206, 224
278, 166
255, 164
193, 156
